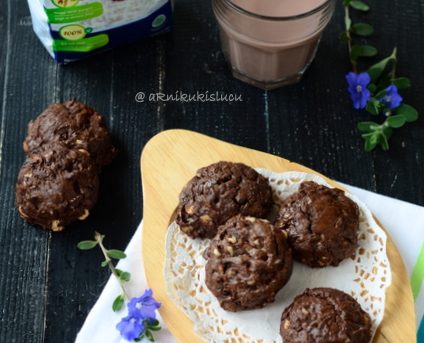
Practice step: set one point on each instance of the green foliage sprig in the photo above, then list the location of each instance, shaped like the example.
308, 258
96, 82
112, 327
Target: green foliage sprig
140, 321
376, 89
109, 255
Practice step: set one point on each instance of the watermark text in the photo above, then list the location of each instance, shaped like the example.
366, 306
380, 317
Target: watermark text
180, 96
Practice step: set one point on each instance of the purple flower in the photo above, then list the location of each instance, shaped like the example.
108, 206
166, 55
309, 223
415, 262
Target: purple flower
141, 317
358, 89
144, 307
392, 99
131, 327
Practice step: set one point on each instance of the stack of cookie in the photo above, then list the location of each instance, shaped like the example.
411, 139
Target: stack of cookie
67, 146
248, 259
250, 254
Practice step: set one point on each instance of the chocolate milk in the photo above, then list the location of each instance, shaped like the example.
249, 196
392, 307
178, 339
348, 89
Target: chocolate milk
270, 43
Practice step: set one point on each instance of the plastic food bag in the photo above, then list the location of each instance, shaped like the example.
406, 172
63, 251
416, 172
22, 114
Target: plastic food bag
73, 29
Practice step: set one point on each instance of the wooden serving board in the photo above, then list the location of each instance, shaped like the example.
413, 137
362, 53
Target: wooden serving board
168, 161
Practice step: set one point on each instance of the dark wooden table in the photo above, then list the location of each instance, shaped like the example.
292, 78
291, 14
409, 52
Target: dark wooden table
47, 286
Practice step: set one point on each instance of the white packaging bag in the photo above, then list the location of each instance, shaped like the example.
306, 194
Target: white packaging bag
74, 29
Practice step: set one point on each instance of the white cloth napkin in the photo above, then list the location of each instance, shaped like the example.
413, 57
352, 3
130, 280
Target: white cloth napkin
403, 221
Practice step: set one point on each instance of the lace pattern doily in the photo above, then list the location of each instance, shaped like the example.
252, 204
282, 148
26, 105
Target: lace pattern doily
366, 277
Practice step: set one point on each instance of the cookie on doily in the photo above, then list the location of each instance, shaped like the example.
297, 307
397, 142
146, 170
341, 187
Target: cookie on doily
249, 261
322, 315
322, 224
219, 192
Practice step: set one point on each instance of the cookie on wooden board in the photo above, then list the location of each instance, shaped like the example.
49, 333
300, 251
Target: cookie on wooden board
219, 192
324, 315
321, 224
249, 261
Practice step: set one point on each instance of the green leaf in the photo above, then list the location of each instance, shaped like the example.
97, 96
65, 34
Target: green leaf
373, 107
153, 323
384, 81
346, 2
387, 131
367, 135
380, 94
359, 5
155, 328
370, 143
409, 113
362, 29
116, 254
118, 303
149, 336
377, 69
363, 51
104, 263
383, 142
367, 126
402, 82
123, 275
86, 245
372, 87
396, 121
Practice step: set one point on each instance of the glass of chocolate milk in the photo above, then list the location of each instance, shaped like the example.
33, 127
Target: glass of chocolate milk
270, 43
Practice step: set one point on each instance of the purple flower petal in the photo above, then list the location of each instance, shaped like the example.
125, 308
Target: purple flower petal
366, 95
144, 306
147, 312
130, 327
363, 79
147, 293
357, 88
351, 79
392, 99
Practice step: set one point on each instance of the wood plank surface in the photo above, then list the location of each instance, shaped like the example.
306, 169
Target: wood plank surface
44, 276
24, 251
117, 212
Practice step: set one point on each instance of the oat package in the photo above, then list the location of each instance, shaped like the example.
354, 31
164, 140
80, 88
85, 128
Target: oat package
73, 29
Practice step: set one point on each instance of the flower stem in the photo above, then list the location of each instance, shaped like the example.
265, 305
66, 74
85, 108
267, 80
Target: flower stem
99, 238
393, 71
348, 23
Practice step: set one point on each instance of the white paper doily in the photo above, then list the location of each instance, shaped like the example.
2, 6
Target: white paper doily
365, 277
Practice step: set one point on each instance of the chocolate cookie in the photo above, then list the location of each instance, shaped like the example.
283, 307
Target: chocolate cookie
249, 261
219, 192
56, 186
321, 223
75, 125
325, 315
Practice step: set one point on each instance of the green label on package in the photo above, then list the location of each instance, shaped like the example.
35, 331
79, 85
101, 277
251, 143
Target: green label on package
74, 14
81, 45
